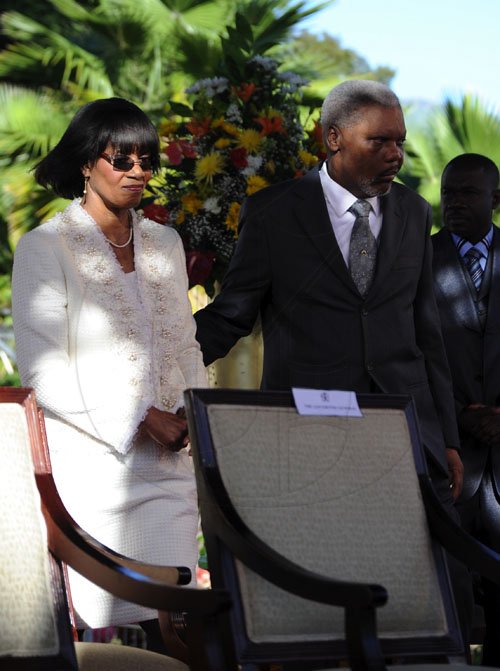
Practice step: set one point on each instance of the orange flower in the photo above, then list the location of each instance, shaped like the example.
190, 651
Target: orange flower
316, 133
198, 127
245, 91
191, 203
232, 218
270, 125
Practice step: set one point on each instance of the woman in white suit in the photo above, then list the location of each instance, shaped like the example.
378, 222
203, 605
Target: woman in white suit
105, 336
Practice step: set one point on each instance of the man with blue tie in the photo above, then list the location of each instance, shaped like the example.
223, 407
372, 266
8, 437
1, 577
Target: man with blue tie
466, 269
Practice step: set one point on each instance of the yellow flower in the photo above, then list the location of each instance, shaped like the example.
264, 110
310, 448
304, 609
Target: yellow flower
168, 127
230, 128
180, 218
308, 159
232, 218
255, 183
222, 143
226, 126
250, 140
207, 167
191, 203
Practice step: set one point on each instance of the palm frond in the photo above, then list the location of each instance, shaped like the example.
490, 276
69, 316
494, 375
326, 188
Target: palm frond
30, 123
40, 47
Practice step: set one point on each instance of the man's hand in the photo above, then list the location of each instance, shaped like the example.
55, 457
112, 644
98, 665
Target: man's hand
456, 472
166, 429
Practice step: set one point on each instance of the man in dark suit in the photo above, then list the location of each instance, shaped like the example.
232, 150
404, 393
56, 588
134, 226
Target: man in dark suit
467, 283
328, 321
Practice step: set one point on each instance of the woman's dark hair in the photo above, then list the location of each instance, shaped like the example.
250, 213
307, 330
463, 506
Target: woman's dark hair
112, 121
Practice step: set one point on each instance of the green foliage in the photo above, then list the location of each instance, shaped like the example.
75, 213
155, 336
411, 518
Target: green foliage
451, 130
8, 373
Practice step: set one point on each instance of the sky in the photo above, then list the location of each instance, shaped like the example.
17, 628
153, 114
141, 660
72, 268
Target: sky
438, 48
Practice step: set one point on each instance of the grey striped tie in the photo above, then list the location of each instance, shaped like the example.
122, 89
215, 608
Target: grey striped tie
363, 248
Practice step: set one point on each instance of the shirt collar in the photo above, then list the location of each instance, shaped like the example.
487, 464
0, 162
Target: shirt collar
341, 199
483, 245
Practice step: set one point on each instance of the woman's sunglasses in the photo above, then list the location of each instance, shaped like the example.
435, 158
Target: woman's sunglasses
125, 163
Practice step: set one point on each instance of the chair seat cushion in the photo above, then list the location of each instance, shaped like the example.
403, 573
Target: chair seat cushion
114, 657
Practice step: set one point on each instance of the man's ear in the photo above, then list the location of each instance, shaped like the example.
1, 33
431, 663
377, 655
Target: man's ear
496, 198
333, 139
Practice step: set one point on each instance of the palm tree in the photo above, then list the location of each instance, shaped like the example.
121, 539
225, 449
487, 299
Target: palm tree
451, 130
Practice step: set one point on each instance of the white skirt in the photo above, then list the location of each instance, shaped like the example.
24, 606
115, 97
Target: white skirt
142, 504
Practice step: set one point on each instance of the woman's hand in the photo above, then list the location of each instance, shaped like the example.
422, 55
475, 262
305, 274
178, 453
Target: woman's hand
166, 429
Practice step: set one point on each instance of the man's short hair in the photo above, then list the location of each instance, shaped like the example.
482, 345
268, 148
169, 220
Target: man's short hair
475, 162
343, 104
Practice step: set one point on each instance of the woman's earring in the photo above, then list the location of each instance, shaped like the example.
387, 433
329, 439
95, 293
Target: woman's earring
84, 195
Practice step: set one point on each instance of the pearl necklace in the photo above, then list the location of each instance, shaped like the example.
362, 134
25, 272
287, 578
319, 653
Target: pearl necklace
115, 244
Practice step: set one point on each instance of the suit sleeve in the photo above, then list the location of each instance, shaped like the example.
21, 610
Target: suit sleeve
430, 341
234, 311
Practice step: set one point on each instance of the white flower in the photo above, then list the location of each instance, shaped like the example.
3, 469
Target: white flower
264, 62
254, 163
212, 205
293, 80
233, 114
211, 86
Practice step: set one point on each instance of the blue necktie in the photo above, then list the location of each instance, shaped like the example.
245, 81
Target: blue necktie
471, 258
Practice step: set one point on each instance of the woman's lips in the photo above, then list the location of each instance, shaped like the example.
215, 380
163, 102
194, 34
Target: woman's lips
134, 188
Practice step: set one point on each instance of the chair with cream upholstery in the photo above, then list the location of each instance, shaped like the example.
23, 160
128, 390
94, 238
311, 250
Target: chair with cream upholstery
35, 631
319, 529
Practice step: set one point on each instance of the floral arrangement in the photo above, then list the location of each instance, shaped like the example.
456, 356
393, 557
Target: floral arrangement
239, 135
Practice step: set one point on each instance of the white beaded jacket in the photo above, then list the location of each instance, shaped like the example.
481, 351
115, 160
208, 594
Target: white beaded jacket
97, 354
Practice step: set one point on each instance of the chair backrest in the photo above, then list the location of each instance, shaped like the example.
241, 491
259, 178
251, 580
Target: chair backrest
35, 631
37, 534
338, 496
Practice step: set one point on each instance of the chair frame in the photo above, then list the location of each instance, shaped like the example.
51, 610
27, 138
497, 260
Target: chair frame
227, 537
152, 586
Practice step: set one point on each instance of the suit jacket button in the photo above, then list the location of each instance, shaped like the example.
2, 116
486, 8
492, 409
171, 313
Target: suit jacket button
364, 313
369, 367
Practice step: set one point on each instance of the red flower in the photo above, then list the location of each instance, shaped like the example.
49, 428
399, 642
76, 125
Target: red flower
245, 91
187, 149
156, 213
199, 266
174, 153
177, 151
239, 157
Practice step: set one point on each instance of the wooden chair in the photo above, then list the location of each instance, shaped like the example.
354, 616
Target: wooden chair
319, 529
35, 632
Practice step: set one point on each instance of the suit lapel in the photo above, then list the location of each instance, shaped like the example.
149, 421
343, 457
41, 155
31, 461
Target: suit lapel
312, 214
493, 319
451, 281
391, 235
